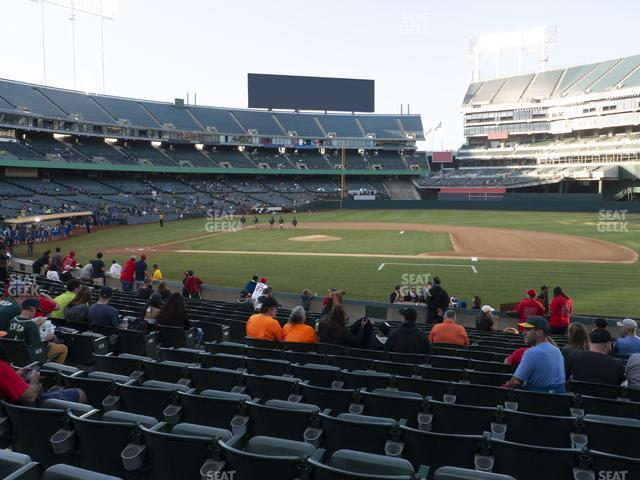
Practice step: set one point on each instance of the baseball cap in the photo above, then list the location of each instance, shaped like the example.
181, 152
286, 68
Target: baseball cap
409, 314
487, 309
539, 323
263, 280
600, 336
30, 303
531, 292
628, 322
269, 302
106, 292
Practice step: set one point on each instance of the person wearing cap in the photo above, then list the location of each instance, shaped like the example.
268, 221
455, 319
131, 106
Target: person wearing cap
632, 371
296, 330
560, 312
408, 338
529, 307
244, 303
486, 321
596, 364
128, 274
26, 327
156, 275
141, 273
103, 314
449, 331
264, 325
628, 343
542, 366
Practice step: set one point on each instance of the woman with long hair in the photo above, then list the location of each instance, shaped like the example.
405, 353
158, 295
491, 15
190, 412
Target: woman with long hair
174, 314
153, 309
578, 339
333, 329
78, 308
560, 312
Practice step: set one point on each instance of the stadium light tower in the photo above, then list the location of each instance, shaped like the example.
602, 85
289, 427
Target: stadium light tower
103, 9
541, 38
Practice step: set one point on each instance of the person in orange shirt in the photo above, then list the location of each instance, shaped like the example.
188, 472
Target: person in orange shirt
264, 325
449, 331
296, 330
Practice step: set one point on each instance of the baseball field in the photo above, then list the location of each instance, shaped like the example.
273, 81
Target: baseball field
496, 255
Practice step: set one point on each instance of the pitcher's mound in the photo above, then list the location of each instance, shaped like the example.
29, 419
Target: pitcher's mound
315, 238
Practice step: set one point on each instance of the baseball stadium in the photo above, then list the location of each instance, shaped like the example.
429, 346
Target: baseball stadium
306, 287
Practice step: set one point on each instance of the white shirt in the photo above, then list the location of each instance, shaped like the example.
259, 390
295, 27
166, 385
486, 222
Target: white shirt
53, 275
115, 270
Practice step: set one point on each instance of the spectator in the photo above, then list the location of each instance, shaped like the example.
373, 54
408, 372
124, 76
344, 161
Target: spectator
65, 298
437, 302
145, 292
251, 285
23, 387
578, 339
141, 273
327, 298
53, 276
78, 309
156, 275
529, 307
629, 343
333, 329
86, 274
396, 296
70, 260
380, 338
264, 325
25, 327
476, 304
412, 296
4, 260
164, 291
174, 314
128, 274
486, 321
66, 275
40, 262
10, 306
116, 269
296, 330
305, 299
595, 365
542, 365
103, 314
98, 266
191, 285
560, 312
334, 298
601, 323
543, 298
408, 338
515, 357
449, 331
633, 371
56, 260
152, 309
244, 303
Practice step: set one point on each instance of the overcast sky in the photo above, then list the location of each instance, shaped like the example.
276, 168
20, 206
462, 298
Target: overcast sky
415, 50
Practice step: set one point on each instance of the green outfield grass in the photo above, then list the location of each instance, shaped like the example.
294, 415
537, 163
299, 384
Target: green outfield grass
607, 289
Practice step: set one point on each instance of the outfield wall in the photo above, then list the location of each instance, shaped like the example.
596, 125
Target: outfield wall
545, 202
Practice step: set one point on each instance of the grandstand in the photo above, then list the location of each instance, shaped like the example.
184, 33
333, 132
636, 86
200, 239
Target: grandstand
572, 129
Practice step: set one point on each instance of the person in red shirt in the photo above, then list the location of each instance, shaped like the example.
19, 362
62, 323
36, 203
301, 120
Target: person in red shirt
560, 312
191, 285
70, 260
516, 357
128, 272
529, 307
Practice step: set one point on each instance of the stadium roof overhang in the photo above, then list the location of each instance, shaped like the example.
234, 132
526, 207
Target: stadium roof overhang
46, 218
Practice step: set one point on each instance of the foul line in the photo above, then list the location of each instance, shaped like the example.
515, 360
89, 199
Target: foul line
472, 267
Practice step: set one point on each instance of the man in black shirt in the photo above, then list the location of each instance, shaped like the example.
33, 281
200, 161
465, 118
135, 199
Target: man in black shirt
437, 302
98, 266
408, 338
595, 365
486, 322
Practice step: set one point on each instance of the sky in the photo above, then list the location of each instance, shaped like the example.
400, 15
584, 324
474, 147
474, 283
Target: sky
415, 50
